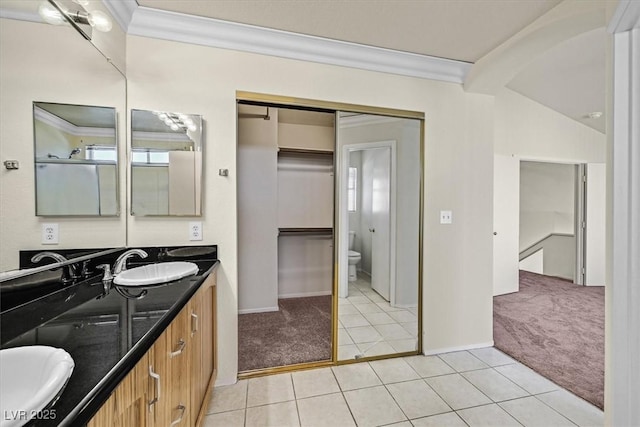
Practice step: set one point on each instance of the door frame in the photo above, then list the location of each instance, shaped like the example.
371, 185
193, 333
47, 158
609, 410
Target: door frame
343, 216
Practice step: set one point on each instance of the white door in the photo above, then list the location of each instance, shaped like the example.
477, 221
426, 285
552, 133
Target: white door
380, 219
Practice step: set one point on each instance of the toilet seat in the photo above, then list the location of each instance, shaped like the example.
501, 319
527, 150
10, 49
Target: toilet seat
354, 253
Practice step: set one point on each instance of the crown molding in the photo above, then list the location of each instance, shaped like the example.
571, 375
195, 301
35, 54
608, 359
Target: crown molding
154, 23
122, 11
64, 126
626, 17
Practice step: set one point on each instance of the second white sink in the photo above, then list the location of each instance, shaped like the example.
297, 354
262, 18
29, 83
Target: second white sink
152, 274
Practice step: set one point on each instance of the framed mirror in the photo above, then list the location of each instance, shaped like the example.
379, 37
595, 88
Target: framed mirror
76, 160
379, 214
166, 163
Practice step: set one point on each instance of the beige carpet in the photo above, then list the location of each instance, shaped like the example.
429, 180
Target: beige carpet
299, 332
557, 329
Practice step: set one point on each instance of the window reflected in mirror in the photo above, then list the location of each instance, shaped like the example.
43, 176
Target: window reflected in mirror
166, 163
76, 160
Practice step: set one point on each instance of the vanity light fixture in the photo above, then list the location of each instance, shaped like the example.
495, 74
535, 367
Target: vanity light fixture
176, 121
56, 12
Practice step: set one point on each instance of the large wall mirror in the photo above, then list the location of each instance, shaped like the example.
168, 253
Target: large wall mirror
166, 163
379, 215
76, 160
56, 68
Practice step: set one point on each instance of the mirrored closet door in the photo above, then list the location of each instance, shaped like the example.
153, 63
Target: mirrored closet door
378, 234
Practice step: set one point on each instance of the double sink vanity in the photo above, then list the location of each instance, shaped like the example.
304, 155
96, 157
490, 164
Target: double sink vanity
132, 334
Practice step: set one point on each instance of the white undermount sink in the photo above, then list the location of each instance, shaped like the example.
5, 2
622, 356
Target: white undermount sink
152, 274
33, 377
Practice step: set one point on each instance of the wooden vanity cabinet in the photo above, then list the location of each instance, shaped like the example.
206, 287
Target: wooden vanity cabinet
170, 385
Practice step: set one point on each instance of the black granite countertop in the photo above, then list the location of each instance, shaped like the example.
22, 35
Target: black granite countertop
106, 335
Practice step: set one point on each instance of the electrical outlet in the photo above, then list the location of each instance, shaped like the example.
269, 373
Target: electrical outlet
446, 217
195, 230
50, 234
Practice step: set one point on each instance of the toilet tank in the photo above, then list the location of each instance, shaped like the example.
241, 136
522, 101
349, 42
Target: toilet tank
352, 239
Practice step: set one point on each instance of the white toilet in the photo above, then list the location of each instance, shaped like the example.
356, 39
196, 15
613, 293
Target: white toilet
354, 257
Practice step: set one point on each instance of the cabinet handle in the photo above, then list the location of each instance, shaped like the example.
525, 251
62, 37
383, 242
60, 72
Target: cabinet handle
181, 345
156, 379
194, 323
177, 421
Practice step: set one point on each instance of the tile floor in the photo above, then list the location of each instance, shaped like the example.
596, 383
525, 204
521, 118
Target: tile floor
482, 387
370, 326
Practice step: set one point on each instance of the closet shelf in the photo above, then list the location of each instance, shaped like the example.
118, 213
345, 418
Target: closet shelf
294, 151
305, 230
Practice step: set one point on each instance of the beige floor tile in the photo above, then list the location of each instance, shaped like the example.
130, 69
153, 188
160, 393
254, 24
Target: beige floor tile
489, 416
385, 306
368, 308
330, 410
344, 301
526, 378
269, 389
572, 407
358, 299
375, 297
450, 419
404, 345
411, 327
404, 316
314, 382
531, 412
494, 385
380, 318
394, 370
348, 351
373, 406
492, 356
354, 376
353, 320
284, 414
343, 337
347, 309
393, 331
228, 398
462, 361
457, 392
227, 419
429, 366
417, 399
364, 334
376, 348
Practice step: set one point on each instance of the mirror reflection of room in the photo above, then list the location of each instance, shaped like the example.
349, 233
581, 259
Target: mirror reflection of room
379, 211
166, 163
76, 160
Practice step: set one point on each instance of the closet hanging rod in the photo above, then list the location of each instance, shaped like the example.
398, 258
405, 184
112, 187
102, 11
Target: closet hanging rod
287, 150
266, 116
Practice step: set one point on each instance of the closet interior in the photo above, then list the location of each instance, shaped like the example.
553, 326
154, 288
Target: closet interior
285, 256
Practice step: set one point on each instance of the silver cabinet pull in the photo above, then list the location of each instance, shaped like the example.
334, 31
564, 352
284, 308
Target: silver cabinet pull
181, 345
156, 379
178, 420
194, 323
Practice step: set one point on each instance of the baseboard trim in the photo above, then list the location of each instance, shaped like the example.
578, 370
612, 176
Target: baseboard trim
431, 352
304, 294
258, 310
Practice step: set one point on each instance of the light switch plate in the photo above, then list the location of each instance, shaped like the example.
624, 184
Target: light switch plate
446, 217
50, 234
195, 230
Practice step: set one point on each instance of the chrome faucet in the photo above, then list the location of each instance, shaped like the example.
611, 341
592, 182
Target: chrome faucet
47, 254
121, 263
69, 272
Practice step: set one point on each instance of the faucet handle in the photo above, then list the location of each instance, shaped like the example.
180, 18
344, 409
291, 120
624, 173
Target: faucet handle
107, 279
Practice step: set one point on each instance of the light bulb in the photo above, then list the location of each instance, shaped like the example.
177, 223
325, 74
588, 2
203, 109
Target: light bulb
192, 127
100, 21
82, 2
50, 14
174, 126
162, 116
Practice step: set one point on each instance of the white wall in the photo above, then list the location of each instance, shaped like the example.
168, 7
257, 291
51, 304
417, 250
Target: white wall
305, 265
458, 165
595, 239
547, 201
41, 62
526, 130
533, 263
257, 212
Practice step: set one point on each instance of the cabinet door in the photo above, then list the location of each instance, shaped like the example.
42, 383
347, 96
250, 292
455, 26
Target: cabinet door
127, 405
197, 319
159, 385
209, 333
180, 369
